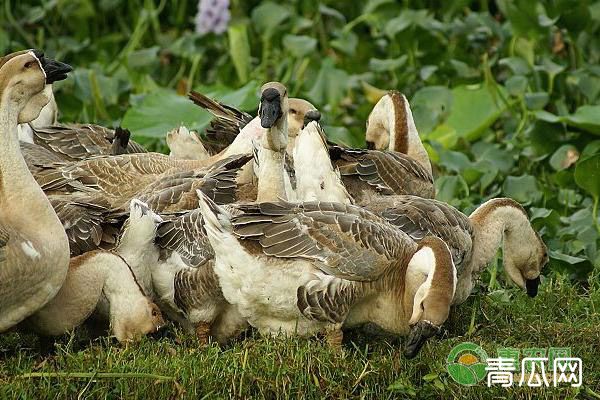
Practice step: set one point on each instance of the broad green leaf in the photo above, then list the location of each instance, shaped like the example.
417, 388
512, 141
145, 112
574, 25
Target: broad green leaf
345, 42
239, 50
244, 98
450, 188
516, 85
389, 64
590, 149
143, 57
474, 109
587, 175
161, 111
502, 159
430, 107
372, 5
586, 118
299, 46
341, 135
330, 85
523, 189
268, 16
565, 156
537, 100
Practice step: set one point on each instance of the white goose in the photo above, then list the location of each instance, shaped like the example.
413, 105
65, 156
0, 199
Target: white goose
317, 267
34, 251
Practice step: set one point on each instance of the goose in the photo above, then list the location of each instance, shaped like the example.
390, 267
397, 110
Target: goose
186, 145
91, 276
34, 250
363, 177
474, 240
229, 121
180, 261
314, 267
390, 126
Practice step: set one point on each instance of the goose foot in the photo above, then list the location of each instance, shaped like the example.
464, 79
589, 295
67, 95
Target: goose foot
203, 333
334, 338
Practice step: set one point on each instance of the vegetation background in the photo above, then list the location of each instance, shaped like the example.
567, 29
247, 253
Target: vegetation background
506, 97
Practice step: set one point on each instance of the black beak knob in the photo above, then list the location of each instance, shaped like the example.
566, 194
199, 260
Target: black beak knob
55, 70
312, 115
532, 286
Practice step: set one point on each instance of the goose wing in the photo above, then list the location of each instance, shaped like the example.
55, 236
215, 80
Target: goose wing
344, 241
78, 142
420, 217
185, 234
228, 122
386, 171
88, 221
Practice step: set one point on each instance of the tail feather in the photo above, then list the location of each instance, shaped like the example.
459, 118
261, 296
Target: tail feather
217, 220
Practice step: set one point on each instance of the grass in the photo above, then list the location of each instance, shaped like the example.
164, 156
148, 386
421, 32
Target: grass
175, 367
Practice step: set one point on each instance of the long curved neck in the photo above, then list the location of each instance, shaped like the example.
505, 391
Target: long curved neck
271, 184
120, 286
19, 192
404, 137
493, 221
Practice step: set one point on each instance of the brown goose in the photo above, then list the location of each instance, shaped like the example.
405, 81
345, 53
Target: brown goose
34, 251
391, 127
474, 240
317, 267
90, 277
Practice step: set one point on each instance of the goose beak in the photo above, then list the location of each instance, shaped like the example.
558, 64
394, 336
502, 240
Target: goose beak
419, 333
532, 286
270, 108
311, 115
54, 70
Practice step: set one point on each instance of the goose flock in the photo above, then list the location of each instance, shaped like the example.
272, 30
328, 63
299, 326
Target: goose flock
261, 222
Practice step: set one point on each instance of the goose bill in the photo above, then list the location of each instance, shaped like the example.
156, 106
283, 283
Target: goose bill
419, 333
532, 286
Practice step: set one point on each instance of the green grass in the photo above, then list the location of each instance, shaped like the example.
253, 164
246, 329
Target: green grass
174, 366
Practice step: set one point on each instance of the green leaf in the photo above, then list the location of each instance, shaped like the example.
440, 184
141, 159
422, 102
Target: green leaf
587, 175
523, 189
516, 85
267, 17
244, 98
239, 50
450, 188
345, 42
389, 64
299, 46
537, 100
143, 57
565, 156
331, 84
586, 118
161, 111
430, 107
474, 109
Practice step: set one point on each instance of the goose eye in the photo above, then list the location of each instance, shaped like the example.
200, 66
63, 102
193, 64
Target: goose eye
293, 112
154, 313
29, 64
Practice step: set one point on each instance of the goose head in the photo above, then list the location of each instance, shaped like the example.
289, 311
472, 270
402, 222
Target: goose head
140, 228
523, 251
524, 263
273, 111
300, 113
25, 81
134, 316
434, 295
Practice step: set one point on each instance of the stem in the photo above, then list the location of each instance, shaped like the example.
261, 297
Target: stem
595, 213
95, 375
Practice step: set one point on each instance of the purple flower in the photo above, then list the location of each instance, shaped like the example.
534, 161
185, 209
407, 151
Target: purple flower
213, 16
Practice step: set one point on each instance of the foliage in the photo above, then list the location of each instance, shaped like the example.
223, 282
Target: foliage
505, 94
